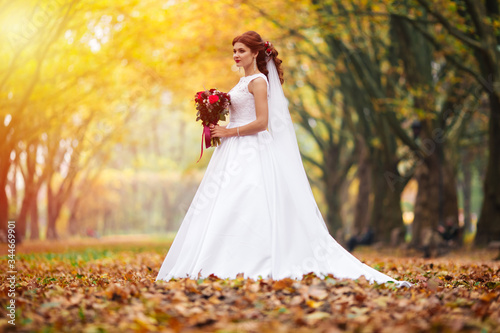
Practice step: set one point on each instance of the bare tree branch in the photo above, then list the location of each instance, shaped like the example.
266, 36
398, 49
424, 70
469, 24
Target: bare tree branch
457, 62
313, 161
451, 29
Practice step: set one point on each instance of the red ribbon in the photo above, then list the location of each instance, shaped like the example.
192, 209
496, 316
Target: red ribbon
205, 135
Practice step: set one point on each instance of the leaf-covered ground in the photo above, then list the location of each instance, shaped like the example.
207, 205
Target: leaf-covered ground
109, 286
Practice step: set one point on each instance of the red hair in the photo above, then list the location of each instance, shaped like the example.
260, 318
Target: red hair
255, 43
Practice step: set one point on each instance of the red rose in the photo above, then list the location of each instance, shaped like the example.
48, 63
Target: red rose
200, 96
213, 98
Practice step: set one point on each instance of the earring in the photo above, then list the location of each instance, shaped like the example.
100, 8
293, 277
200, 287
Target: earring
255, 64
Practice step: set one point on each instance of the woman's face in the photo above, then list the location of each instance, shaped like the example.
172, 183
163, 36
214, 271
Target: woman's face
242, 55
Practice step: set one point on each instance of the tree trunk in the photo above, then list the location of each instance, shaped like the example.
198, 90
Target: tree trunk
166, 208
55, 201
363, 202
4, 209
34, 228
333, 218
23, 214
426, 205
436, 199
13, 192
4, 201
73, 221
51, 224
30, 188
333, 186
52, 211
387, 187
466, 191
488, 227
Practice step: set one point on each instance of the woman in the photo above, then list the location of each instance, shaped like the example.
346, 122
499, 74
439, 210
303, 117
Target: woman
254, 212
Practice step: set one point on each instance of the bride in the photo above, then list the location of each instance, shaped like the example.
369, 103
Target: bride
254, 212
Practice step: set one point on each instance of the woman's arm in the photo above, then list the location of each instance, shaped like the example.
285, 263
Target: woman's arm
257, 87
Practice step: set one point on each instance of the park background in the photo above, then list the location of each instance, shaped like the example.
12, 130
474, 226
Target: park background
396, 107
397, 113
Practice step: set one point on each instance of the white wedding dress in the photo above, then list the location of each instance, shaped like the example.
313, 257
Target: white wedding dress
254, 215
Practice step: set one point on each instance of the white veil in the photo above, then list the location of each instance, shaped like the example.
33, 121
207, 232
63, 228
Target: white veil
285, 144
301, 241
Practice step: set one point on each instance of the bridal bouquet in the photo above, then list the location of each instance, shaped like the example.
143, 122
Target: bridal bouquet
212, 106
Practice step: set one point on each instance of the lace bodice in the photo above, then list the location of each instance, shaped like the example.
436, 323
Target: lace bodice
242, 108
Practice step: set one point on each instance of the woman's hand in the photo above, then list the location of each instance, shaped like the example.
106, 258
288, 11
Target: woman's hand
217, 131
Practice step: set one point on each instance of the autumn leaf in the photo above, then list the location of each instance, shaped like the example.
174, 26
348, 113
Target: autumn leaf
453, 293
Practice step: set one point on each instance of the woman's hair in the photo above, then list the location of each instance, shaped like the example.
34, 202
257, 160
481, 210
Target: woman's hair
255, 43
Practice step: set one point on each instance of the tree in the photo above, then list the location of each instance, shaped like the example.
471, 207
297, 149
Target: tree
23, 49
77, 70
477, 30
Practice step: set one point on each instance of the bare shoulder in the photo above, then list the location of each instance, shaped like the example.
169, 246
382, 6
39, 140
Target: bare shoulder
258, 84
